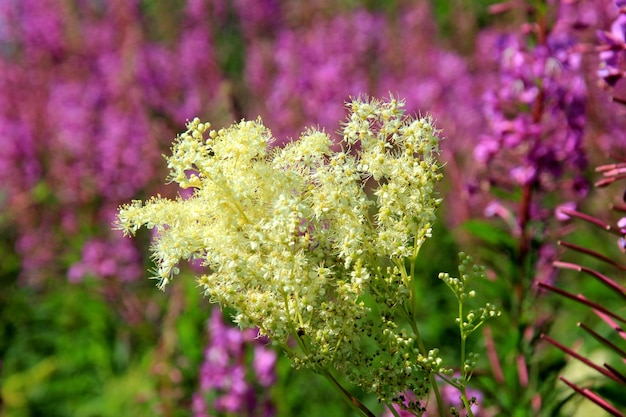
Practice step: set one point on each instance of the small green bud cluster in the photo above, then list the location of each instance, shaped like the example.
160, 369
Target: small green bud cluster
474, 318
470, 363
470, 273
306, 242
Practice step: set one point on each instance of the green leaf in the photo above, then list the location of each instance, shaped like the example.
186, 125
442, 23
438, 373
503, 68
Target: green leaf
490, 234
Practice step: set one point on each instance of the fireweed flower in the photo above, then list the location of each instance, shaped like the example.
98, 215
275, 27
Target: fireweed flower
536, 119
224, 372
536, 114
611, 49
96, 260
99, 92
322, 63
309, 243
532, 152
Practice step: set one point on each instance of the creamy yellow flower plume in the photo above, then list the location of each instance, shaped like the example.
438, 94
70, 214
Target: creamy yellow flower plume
307, 242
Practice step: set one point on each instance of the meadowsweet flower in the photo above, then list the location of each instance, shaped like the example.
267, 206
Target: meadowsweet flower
296, 243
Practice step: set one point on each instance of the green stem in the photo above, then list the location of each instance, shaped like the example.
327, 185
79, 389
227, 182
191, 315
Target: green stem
440, 405
431, 377
420, 343
393, 410
464, 335
354, 402
466, 402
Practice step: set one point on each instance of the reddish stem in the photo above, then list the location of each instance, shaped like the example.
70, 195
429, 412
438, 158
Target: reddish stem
592, 396
581, 299
580, 358
603, 339
592, 253
590, 219
615, 372
600, 277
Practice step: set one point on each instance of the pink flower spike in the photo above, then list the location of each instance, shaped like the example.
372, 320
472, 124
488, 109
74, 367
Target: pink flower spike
522, 370
621, 223
609, 167
560, 214
492, 354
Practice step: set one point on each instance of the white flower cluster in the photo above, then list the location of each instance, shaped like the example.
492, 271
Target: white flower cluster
307, 242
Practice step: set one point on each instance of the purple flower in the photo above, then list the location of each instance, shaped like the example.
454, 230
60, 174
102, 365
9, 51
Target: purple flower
258, 18
300, 71
451, 398
613, 44
114, 259
100, 92
264, 365
536, 113
312, 70
239, 387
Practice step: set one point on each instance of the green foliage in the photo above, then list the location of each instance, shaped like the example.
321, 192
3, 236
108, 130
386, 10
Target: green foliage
74, 349
60, 349
69, 350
